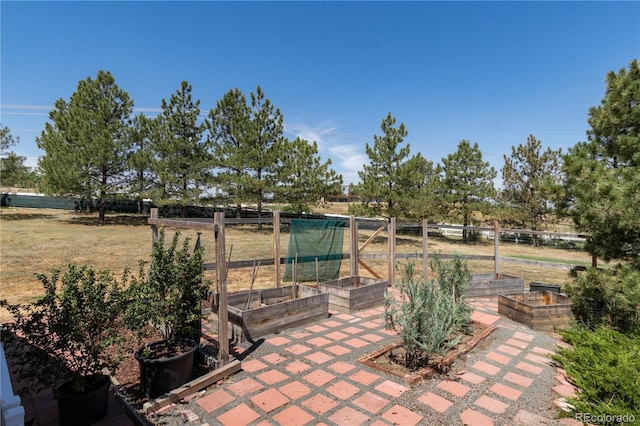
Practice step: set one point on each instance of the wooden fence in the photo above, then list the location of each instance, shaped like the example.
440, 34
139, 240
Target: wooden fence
355, 255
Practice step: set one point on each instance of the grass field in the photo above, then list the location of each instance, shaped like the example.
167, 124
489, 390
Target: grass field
40, 240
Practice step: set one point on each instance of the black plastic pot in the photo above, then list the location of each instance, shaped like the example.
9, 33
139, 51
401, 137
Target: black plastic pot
80, 409
159, 376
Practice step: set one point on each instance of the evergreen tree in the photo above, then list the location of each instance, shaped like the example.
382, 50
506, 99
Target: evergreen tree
228, 128
388, 183
467, 183
245, 138
181, 161
303, 180
419, 185
13, 171
142, 180
265, 136
530, 178
602, 175
6, 139
86, 144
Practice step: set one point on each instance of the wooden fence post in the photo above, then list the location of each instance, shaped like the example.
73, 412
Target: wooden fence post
154, 228
392, 251
496, 248
276, 247
221, 276
425, 246
354, 254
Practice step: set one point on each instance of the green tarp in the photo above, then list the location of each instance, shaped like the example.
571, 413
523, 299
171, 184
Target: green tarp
312, 240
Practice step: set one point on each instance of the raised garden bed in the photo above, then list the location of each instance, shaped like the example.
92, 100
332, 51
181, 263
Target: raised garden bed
538, 310
491, 285
354, 293
256, 313
381, 360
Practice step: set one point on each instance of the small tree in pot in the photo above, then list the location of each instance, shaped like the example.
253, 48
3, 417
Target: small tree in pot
67, 338
168, 298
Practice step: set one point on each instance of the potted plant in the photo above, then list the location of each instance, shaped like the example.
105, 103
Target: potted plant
168, 299
69, 340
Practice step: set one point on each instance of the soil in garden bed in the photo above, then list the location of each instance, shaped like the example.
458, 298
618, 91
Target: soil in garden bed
391, 359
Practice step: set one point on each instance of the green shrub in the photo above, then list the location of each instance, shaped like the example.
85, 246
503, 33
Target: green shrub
169, 295
454, 278
616, 292
71, 333
426, 315
605, 365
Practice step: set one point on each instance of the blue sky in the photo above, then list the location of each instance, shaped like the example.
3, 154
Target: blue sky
489, 72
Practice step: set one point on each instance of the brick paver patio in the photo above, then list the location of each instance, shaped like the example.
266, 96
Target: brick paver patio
311, 375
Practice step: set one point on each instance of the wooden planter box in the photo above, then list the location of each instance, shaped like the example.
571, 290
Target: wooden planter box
354, 293
538, 310
490, 285
271, 310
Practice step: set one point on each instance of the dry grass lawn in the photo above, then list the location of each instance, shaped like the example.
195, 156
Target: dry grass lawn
41, 240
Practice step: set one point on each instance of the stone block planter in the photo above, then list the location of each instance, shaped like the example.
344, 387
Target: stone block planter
354, 293
256, 313
538, 310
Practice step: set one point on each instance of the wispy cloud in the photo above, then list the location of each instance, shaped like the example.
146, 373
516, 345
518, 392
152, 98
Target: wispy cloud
348, 160
316, 133
345, 150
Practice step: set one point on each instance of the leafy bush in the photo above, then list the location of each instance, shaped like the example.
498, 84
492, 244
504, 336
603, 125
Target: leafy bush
615, 291
426, 315
605, 365
70, 333
169, 296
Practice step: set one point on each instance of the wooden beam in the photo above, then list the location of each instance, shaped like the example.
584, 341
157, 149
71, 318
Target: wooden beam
392, 251
496, 247
371, 271
181, 223
192, 387
154, 228
375, 234
353, 246
276, 247
425, 249
221, 276
237, 264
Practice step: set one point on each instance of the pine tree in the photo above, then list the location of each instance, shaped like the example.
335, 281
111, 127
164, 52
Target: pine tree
228, 125
602, 175
181, 160
86, 144
303, 179
245, 138
141, 180
392, 179
466, 184
6, 139
530, 178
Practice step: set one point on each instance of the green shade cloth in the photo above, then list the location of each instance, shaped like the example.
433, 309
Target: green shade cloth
311, 240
